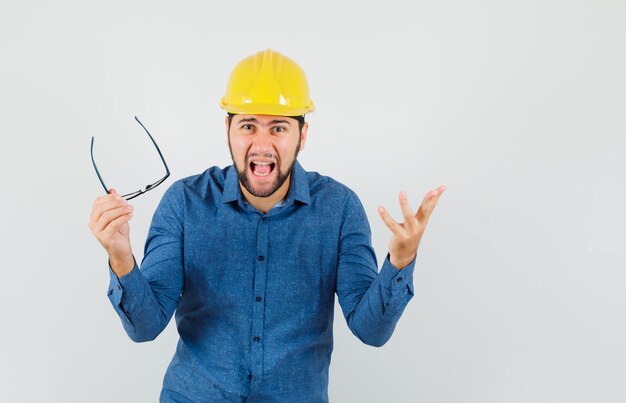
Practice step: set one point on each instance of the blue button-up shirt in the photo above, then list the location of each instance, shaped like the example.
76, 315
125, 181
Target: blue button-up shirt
254, 293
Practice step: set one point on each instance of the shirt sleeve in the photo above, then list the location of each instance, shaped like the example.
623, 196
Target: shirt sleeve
372, 302
146, 298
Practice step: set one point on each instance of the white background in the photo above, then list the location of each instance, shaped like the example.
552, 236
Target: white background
518, 107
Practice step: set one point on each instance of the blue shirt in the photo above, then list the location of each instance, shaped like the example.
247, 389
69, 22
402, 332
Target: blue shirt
254, 293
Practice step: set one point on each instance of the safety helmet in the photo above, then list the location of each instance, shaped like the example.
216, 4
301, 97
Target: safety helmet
267, 83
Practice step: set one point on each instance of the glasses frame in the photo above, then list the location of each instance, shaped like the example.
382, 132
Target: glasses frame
139, 192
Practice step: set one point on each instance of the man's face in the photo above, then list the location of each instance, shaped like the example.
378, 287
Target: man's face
264, 149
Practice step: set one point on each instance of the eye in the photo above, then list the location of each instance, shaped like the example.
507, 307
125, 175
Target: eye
247, 127
280, 129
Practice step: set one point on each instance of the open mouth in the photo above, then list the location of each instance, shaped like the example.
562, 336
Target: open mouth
262, 168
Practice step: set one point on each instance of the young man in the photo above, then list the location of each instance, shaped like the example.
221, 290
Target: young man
250, 256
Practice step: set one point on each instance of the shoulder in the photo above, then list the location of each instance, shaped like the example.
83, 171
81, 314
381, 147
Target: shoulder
209, 182
213, 176
325, 188
337, 203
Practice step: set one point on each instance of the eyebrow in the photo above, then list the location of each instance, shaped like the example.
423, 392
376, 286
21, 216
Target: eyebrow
255, 120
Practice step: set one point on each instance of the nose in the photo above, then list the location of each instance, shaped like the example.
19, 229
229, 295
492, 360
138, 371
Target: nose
262, 142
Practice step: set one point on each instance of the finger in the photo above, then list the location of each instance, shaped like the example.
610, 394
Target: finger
115, 225
112, 193
434, 198
428, 204
108, 216
407, 211
102, 225
389, 222
106, 197
423, 213
104, 205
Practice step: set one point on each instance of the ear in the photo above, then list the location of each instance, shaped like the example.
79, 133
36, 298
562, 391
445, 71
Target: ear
226, 123
305, 128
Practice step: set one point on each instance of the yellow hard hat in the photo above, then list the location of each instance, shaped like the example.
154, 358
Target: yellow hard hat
267, 83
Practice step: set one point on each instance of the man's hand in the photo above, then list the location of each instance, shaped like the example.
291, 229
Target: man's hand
406, 236
109, 223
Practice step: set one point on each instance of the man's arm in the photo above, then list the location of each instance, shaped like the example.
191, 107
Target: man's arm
373, 302
144, 299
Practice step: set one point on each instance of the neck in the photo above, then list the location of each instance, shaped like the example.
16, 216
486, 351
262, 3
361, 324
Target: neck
264, 204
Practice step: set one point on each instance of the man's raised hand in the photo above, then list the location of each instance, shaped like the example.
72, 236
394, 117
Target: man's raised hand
406, 236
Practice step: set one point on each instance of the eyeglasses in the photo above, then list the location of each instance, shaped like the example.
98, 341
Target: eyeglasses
132, 195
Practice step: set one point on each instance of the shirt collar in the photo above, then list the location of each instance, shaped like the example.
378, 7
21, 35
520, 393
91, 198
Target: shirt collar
298, 188
231, 186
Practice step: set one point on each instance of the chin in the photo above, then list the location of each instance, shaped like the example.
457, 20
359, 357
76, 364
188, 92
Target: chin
263, 191
257, 189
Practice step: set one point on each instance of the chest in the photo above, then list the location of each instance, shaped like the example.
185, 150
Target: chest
230, 256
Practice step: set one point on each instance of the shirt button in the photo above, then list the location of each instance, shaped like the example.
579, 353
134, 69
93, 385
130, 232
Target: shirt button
257, 338
249, 376
399, 279
261, 258
263, 218
119, 288
258, 299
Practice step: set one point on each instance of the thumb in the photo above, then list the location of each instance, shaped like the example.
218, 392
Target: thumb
112, 191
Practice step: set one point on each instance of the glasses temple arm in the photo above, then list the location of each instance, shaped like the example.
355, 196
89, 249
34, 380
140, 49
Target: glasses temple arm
155, 145
96, 168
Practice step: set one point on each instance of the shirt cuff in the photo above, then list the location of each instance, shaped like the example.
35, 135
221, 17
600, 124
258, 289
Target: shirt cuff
117, 286
397, 280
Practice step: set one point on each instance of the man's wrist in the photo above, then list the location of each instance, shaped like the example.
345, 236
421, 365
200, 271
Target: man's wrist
122, 265
400, 263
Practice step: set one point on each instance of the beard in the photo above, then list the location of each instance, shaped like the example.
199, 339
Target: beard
281, 176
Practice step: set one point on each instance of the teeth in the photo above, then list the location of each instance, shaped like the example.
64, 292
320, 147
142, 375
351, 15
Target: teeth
260, 163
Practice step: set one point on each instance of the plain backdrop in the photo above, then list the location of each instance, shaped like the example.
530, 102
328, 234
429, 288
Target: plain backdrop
517, 106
